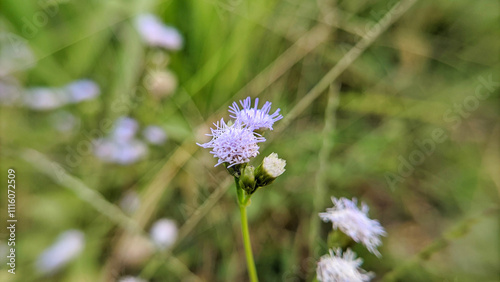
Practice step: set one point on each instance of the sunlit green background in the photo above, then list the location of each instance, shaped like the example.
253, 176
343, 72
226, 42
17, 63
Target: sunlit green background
350, 125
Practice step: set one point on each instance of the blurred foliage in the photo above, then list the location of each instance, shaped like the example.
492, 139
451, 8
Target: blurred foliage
413, 80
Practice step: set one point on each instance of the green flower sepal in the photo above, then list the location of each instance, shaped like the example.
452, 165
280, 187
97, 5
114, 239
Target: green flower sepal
250, 179
247, 180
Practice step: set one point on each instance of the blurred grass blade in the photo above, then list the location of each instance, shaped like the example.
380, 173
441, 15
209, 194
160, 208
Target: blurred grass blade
92, 197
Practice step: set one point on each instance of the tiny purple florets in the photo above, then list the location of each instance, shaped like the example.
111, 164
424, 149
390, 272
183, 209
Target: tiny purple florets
233, 144
254, 118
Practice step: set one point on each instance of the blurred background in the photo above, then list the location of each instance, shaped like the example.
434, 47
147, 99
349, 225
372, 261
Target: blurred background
394, 103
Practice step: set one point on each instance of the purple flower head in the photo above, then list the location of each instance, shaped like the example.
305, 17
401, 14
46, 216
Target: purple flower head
124, 129
82, 90
233, 144
155, 33
66, 248
346, 216
154, 134
254, 118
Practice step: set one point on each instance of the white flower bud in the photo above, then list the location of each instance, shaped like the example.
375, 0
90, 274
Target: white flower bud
273, 165
161, 83
270, 169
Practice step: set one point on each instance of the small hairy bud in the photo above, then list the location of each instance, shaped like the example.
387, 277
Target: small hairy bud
247, 179
270, 169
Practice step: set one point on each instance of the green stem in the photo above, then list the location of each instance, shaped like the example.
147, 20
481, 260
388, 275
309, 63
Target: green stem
243, 203
252, 271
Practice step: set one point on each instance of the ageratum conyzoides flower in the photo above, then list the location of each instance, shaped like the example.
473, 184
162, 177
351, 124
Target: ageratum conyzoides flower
254, 118
346, 216
233, 144
338, 267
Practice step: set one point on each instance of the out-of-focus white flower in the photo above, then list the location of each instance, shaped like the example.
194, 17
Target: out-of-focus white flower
155, 134
66, 248
131, 279
354, 222
164, 233
130, 202
161, 83
64, 121
124, 129
155, 33
82, 90
233, 144
15, 54
44, 98
338, 267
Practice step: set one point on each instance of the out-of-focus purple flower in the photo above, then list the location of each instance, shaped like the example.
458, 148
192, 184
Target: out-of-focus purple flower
105, 149
82, 90
338, 267
67, 247
49, 98
164, 233
121, 146
124, 152
125, 129
44, 98
254, 118
130, 152
233, 144
155, 134
155, 33
346, 216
